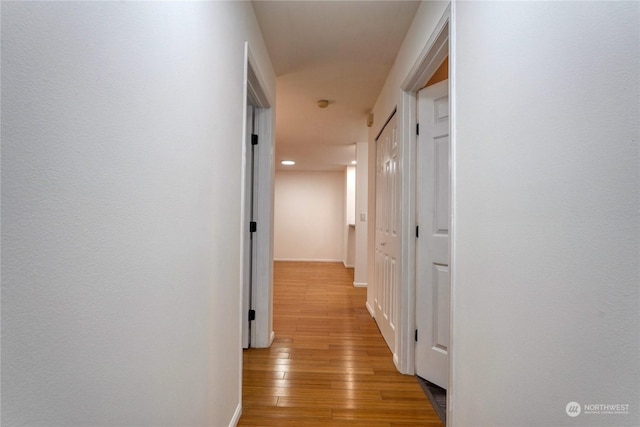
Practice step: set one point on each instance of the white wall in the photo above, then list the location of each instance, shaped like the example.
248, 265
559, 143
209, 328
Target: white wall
309, 216
349, 252
349, 238
360, 270
121, 154
546, 234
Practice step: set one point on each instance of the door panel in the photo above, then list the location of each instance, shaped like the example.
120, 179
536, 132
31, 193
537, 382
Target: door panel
387, 245
433, 280
441, 297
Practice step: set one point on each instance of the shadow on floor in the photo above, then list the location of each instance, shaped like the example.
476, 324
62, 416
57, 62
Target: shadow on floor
437, 396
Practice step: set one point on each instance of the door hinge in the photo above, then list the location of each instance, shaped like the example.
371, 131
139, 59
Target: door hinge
253, 227
417, 128
416, 337
254, 139
417, 231
252, 315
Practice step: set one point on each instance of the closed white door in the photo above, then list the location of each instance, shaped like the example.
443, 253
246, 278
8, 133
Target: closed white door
433, 281
387, 245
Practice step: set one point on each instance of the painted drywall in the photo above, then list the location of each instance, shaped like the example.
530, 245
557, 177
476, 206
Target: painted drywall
349, 238
349, 246
427, 16
350, 195
546, 225
121, 154
309, 216
360, 269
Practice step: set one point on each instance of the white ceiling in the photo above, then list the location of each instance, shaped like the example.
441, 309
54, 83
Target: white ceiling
341, 51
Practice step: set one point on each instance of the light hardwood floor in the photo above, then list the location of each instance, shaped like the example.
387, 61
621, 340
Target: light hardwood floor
329, 365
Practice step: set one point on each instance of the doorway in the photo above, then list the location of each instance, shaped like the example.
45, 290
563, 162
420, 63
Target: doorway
433, 219
250, 237
258, 166
429, 352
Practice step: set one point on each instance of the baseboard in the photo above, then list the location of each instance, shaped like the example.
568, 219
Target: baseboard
370, 310
348, 265
272, 337
236, 416
307, 260
359, 285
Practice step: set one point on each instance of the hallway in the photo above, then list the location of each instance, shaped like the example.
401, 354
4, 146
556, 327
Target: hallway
329, 365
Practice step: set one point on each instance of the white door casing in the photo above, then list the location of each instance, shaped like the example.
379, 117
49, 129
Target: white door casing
262, 334
250, 243
433, 215
387, 240
247, 255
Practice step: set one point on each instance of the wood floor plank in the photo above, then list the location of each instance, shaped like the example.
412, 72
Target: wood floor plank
266, 422
313, 392
288, 413
389, 415
329, 365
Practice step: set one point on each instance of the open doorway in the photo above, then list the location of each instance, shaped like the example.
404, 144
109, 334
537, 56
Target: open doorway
433, 230
250, 207
257, 210
412, 294
433, 219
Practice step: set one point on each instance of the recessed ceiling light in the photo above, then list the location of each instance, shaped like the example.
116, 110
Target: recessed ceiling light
353, 162
288, 162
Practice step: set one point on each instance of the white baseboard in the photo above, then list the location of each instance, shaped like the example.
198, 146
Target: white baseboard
359, 285
272, 337
370, 309
348, 266
396, 361
306, 260
236, 416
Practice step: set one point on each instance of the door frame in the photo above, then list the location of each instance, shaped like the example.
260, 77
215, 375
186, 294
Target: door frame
262, 334
435, 50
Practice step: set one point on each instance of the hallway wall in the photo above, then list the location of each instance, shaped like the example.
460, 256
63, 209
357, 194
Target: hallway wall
309, 216
546, 244
362, 184
121, 154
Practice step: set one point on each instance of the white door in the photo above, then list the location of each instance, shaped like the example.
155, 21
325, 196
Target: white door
432, 245
387, 245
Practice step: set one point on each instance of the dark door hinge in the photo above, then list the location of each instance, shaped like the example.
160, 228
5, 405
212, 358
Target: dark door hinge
417, 231
417, 128
254, 139
252, 315
416, 335
253, 227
